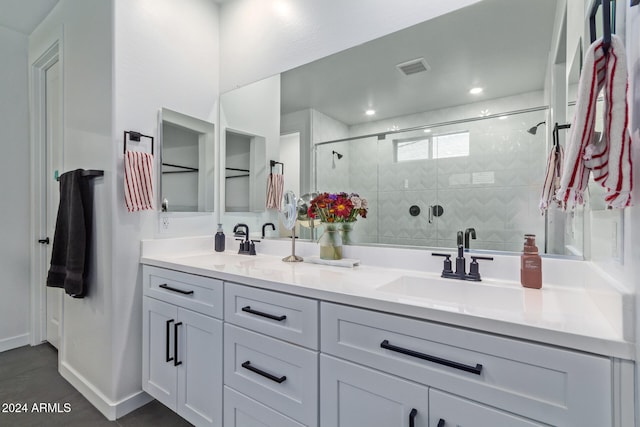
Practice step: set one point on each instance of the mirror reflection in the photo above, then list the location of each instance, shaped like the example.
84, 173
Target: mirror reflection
434, 118
244, 168
250, 130
187, 165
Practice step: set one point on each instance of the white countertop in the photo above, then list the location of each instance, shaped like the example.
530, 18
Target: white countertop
556, 315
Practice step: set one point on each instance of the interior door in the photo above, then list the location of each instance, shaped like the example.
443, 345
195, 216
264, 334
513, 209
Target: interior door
53, 148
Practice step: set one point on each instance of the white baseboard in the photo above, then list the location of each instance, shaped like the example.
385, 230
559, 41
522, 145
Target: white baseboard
110, 409
14, 342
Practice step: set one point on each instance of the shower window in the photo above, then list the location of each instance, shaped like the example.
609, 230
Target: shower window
433, 147
451, 145
411, 149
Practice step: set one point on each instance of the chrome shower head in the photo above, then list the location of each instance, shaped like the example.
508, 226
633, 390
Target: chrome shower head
335, 153
534, 129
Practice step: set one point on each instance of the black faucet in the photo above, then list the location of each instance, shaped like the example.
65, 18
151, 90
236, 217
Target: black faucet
460, 273
247, 246
273, 227
469, 231
459, 238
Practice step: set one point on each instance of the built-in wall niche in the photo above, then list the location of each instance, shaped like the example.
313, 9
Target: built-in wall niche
187, 170
245, 172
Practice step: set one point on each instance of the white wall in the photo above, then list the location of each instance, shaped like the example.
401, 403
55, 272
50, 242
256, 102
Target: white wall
122, 62
165, 55
85, 32
14, 190
285, 34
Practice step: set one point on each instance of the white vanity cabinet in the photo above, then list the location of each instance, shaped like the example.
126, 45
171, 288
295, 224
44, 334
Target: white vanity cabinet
182, 357
470, 376
270, 358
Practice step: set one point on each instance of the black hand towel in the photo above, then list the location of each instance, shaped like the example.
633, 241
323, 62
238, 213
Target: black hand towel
72, 237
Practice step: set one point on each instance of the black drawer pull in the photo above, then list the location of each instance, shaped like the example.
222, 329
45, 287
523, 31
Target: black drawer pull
412, 417
176, 362
279, 380
441, 423
169, 288
267, 315
473, 369
169, 322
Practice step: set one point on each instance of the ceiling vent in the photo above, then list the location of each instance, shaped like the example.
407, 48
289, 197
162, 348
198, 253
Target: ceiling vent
413, 67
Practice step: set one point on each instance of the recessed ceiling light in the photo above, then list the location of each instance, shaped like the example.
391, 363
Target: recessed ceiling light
502, 118
370, 112
427, 130
475, 90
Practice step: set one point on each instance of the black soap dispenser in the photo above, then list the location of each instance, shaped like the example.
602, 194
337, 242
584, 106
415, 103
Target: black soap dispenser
219, 239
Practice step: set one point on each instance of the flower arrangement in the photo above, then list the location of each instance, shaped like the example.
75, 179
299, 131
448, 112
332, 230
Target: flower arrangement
338, 207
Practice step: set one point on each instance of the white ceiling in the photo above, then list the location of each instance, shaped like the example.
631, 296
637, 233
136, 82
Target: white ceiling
500, 45
24, 15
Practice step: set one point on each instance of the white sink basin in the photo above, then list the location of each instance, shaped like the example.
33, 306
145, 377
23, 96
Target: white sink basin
456, 293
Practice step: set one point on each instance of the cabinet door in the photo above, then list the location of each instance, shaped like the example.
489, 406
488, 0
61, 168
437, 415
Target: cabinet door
158, 372
199, 360
448, 411
354, 396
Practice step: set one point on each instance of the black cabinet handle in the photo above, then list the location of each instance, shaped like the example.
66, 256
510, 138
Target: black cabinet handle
180, 291
44, 241
441, 423
175, 344
169, 322
467, 368
267, 315
279, 380
412, 417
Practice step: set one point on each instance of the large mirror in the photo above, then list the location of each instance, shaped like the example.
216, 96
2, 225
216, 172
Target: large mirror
381, 119
187, 163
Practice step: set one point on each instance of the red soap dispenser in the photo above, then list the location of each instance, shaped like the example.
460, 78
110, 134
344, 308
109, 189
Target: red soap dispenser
531, 264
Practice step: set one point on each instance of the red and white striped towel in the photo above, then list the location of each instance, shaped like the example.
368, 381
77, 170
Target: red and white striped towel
275, 189
138, 181
552, 179
609, 159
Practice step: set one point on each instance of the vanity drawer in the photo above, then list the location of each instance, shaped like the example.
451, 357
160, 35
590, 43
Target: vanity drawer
197, 293
559, 387
287, 317
277, 374
242, 411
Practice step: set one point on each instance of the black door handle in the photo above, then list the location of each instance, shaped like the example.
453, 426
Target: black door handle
467, 368
180, 291
44, 241
248, 309
412, 417
169, 359
441, 423
279, 380
176, 362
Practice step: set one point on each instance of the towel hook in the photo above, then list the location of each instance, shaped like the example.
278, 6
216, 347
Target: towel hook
135, 136
273, 163
608, 22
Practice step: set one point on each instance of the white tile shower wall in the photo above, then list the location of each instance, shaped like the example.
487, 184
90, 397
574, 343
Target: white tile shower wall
496, 189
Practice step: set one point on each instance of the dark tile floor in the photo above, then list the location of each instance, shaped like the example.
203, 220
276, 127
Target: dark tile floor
29, 375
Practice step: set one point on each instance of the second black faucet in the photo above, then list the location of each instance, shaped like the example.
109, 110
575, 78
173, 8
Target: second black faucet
247, 246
